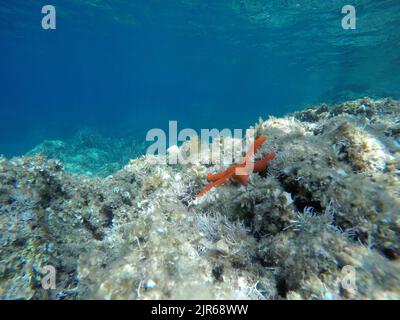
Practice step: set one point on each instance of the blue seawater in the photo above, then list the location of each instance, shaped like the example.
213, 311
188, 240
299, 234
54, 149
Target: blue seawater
124, 67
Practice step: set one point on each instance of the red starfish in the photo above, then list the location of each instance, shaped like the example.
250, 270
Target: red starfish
240, 172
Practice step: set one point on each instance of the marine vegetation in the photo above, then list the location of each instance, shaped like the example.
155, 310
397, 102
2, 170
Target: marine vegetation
327, 203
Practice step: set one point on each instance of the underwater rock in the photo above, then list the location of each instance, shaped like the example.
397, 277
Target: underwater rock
328, 201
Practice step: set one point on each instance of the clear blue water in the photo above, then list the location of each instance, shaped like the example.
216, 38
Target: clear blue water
126, 66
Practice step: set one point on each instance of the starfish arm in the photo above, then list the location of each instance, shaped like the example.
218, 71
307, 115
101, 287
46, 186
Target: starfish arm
212, 185
214, 177
262, 164
255, 146
243, 179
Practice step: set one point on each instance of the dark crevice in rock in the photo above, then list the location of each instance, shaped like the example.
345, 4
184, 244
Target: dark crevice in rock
281, 287
108, 215
217, 272
390, 253
97, 234
302, 197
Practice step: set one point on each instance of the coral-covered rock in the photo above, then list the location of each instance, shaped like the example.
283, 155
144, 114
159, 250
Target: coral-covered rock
327, 203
